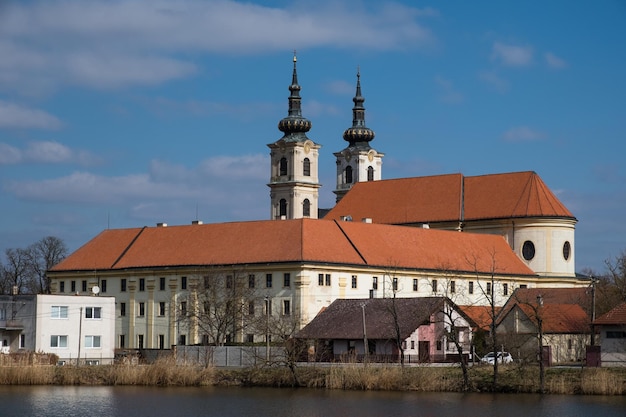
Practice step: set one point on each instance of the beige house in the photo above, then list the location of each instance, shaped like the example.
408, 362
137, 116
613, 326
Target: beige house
612, 327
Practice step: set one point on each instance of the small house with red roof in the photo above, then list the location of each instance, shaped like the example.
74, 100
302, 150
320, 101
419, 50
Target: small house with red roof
560, 314
613, 336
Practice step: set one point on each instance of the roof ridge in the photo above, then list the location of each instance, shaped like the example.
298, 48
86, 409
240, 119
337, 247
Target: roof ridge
351, 242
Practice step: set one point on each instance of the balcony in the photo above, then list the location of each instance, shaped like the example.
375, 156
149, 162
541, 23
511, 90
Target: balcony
11, 325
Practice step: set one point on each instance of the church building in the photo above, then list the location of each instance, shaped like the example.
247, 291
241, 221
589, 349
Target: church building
473, 239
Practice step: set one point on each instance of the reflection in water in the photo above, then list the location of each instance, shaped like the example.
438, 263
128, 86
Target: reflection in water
67, 401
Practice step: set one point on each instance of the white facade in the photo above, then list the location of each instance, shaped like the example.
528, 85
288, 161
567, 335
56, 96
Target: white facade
76, 327
294, 181
357, 165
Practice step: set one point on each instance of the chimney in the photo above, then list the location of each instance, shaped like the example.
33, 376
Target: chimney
196, 222
366, 220
161, 224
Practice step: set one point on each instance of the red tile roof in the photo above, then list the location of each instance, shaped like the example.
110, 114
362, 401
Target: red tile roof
302, 240
616, 316
558, 318
481, 315
452, 197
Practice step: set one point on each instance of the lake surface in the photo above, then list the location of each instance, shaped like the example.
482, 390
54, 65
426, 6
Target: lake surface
267, 402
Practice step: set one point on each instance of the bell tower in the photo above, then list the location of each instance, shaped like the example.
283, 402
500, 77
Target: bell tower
358, 162
294, 184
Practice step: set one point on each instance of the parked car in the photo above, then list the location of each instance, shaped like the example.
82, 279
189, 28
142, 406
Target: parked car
503, 357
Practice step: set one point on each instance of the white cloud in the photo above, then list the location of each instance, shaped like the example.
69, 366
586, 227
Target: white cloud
554, 61
448, 94
512, 55
47, 152
20, 117
494, 81
220, 179
522, 134
118, 43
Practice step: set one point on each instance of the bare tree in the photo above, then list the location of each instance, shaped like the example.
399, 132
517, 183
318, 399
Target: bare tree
15, 273
394, 284
217, 307
41, 256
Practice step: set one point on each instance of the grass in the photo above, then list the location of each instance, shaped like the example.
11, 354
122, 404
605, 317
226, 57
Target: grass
165, 372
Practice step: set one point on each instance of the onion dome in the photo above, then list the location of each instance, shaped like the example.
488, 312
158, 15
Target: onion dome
358, 135
294, 126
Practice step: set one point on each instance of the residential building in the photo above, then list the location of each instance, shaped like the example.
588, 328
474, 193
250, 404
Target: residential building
424, 328
613, 336
68, 326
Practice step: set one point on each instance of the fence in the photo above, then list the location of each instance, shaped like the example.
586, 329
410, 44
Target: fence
234, 356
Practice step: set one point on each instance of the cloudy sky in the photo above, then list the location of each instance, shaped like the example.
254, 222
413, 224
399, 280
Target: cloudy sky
128, 113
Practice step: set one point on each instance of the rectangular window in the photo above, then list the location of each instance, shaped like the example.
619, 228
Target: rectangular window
59, 312
523, 286
439, 345
569, 344
142, 309
207, 282
62, 286
57, 341
394, 284
123, 285
72, 286
251, 281
140, 341
268, 306
505, 289
182, 339
229, 281
183, 308
142, 284
374, 283
161, 341
488, 288
162, 284
161, 308
251, 308
328, 280
286, 279
122, 341
286, 307
93, 312
452, 287
84, 285
320, 279
249, 338
183, 283
434, 285
22, 341
268, 280
415, 284
92, 341
103, 285
354, 281
471, 287
413, 344
122, 309
615, 334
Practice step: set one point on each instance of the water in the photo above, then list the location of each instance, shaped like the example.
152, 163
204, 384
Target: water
266, 402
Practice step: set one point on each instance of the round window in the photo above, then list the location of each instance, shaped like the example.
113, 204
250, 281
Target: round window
528, 250
567, 250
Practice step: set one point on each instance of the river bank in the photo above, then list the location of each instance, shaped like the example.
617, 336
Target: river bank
511, 379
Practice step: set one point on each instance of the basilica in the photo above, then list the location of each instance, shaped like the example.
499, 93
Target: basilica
474, 239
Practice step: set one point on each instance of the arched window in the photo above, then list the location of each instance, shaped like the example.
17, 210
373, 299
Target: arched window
348, 174
282, 211
306, 167
370, 173
283, 166
306, 208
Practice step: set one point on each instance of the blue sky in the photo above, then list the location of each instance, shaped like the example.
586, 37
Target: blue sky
128, 113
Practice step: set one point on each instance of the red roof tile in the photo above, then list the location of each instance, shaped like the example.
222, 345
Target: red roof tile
481, 315
558, 318
452, 197
616, 316
303, 240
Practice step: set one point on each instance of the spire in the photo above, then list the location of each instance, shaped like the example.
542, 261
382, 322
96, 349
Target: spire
294, 126
358, 135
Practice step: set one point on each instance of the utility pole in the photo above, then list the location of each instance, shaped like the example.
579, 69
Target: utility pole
593, 310
267, 329
365, 345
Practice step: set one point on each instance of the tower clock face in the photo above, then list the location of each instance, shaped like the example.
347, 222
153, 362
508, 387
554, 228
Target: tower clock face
307, 148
